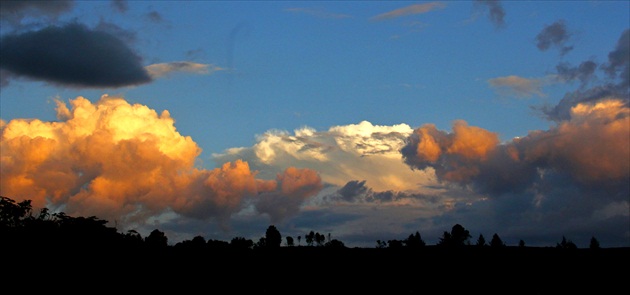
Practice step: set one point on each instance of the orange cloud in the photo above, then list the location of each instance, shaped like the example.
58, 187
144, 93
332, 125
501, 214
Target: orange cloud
593, 147
125, 162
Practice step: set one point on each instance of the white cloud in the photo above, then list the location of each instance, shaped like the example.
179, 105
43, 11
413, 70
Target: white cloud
163, 69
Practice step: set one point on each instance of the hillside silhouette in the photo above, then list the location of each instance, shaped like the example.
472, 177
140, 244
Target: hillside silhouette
41, 250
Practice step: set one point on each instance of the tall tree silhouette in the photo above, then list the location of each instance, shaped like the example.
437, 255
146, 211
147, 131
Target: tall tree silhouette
310, 238
496, 241
594, 244
273, 238
481, 241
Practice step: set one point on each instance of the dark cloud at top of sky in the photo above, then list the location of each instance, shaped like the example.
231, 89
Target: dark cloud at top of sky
120, 5
72, 55
14, 11
556, 35
619, 60
495, 13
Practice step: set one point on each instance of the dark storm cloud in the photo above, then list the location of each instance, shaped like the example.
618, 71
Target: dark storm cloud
495, 11
72, 55
555, 35
14, 11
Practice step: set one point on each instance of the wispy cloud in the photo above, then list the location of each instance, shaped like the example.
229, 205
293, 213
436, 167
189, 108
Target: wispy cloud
555, 35
14, 12
163, 69
518, 86
409, 10
496, 13
319, 13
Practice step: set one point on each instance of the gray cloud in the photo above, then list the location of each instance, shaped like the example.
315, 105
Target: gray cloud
14, 11
495, 13
519, 86
584, 72
120, 5
618, 66
555, 35
619, 60
72, 55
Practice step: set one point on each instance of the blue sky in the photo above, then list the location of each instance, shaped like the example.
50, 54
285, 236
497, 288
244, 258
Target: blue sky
340, 91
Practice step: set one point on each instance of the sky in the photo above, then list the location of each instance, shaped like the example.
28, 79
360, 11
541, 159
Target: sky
360, 120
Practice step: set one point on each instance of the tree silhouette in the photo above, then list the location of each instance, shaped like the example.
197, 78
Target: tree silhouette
566, 244
299, 239
241, 243
594, 244
310, 237
156, 239
458, 237
273, 237
12, 214
521, 243
481, 241
289, 241
319, 239
414, 241
334, 243
496, 241
380, 244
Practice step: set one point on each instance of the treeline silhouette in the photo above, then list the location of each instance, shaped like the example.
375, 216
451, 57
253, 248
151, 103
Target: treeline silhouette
20, 226
86, 245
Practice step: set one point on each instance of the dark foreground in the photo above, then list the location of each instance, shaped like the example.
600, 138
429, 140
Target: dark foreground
319, 270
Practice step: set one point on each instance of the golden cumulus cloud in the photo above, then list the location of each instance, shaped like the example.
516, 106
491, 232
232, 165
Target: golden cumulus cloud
125, 162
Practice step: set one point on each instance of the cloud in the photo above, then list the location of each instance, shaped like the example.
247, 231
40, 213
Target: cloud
13, 12
164, 69
555, 35
127, 164
570, 179
589, 150
319, 13
409, 10
72, 55
617, 85
519, 86
120, 5
584, 72
295, 186
495, 13
619, 60
340, 154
